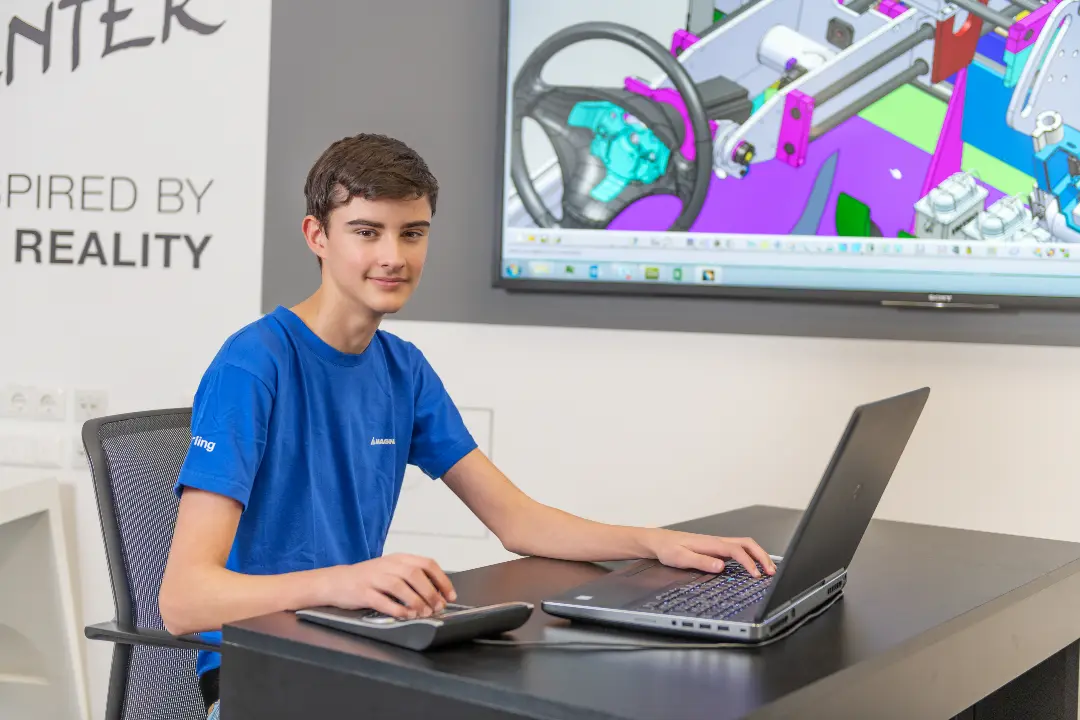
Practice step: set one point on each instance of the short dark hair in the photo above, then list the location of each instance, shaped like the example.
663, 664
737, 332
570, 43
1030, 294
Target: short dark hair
370, 166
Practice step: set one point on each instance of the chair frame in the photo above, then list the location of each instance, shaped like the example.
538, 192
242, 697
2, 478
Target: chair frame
122, 631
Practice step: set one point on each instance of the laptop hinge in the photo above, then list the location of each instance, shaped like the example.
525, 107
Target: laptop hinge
798, 598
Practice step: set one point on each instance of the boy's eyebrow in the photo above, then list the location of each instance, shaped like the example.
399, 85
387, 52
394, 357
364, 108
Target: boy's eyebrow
377, 224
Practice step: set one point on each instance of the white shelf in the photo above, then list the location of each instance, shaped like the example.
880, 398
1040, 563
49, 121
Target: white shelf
42, 672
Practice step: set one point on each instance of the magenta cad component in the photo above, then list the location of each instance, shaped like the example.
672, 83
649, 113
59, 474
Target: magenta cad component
949, 152
891, 8
681, 40
1023, 32
671, 97
794, 139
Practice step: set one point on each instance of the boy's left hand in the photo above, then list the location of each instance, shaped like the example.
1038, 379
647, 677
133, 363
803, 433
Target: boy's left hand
690, 551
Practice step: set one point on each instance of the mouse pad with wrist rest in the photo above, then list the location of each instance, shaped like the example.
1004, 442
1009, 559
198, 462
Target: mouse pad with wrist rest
457, 623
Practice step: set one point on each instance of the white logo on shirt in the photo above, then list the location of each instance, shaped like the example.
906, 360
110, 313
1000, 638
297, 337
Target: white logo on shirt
382, 441
200, 442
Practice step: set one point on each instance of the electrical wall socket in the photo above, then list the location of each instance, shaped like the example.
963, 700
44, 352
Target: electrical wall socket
78, 455
27, 451
15, 450
23, 402
90, 404
51, 404
18, 402
51, 453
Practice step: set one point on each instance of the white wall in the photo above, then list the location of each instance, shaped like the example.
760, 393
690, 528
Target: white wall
193, 107
652, 428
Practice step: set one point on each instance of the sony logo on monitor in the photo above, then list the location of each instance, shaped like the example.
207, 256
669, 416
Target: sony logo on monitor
940, 298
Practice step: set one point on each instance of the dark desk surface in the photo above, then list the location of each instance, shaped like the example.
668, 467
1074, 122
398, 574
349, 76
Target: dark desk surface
922, 606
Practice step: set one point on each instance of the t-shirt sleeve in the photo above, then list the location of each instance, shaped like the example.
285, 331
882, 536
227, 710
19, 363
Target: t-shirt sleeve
229, 419
440, 438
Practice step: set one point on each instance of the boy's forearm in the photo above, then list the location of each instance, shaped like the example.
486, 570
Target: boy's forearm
207, 599
527, 527
534, 529
545, 531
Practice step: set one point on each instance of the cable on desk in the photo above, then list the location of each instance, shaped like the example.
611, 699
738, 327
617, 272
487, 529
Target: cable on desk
586, 645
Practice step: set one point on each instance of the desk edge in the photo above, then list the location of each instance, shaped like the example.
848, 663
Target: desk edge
457, 687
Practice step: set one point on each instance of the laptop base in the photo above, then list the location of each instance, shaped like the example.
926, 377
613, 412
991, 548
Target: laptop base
742, 628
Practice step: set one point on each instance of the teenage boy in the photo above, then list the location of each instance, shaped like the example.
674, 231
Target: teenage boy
305, 420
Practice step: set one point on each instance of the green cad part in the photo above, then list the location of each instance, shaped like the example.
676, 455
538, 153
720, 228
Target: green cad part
852, 217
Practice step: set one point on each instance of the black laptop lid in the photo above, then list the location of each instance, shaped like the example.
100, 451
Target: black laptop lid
847, 496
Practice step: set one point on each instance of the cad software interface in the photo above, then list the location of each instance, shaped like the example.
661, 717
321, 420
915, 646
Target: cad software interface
884, 146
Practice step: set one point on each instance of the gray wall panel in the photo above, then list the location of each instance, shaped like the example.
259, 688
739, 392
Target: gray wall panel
428, 71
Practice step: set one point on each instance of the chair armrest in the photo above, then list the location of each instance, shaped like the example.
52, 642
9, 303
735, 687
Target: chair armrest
112, 632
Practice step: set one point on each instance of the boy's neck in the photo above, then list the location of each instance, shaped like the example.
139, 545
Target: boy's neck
338, 323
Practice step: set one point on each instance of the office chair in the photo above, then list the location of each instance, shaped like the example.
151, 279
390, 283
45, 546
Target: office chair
135, 460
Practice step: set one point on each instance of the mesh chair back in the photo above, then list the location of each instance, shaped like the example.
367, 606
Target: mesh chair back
135, 460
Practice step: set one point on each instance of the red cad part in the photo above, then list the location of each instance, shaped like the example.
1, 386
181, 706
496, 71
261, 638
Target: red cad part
954, 51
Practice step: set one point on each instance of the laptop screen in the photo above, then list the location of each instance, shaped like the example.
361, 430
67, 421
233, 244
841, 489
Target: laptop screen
834, 523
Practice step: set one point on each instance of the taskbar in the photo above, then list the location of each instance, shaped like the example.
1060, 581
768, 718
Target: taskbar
523, 242
611, 271
793, 277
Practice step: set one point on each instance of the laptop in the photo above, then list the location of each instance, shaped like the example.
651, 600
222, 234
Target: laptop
735, 606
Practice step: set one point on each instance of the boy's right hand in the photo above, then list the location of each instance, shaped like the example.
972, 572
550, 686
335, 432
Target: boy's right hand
403, 586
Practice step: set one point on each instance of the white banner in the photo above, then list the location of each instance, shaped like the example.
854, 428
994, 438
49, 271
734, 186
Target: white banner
132, 179
134, 141
132, 182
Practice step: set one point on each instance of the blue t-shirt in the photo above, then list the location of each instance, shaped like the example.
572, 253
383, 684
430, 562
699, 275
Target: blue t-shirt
313, 443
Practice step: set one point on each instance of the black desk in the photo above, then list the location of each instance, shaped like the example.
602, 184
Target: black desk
934, 623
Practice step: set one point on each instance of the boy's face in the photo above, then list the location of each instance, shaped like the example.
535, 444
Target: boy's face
374, 250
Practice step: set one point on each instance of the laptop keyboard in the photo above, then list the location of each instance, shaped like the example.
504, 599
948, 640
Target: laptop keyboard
715, 597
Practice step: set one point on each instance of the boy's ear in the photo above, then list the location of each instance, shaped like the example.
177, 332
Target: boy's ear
315, 236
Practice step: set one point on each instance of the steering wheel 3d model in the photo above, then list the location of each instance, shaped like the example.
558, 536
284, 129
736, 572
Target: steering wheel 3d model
614, 146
